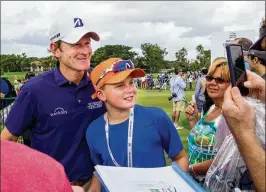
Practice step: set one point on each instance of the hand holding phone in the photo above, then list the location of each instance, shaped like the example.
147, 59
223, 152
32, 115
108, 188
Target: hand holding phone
237, 69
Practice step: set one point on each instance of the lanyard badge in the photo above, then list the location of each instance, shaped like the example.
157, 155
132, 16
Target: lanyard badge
129, 140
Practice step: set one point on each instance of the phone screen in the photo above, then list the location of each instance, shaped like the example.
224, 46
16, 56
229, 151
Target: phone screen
237, 64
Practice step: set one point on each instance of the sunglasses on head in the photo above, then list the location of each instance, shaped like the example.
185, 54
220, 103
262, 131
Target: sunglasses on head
120, 65
217, 79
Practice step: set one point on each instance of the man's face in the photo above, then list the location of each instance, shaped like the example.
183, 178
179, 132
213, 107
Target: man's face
76, 56
235, 41
252, 63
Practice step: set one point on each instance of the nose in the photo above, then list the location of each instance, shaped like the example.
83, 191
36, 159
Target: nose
130, 88
85, 49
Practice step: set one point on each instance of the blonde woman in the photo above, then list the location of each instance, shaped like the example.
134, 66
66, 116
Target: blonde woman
201, 140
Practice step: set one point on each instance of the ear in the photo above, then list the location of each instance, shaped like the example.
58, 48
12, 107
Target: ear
256, 60
100, 94
54, 50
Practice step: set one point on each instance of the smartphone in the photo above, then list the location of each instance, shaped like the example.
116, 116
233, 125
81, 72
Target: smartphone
237, 69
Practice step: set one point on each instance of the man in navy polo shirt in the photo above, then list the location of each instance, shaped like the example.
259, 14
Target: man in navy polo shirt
57, 106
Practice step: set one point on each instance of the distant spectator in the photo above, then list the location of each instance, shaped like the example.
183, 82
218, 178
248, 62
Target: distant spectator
246, 44
177, 88
29, 75
257, 62
143, 82
18, 86
200, 89
190, 80
15, 79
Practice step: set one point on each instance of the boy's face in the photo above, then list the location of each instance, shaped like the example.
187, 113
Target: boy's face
120, 95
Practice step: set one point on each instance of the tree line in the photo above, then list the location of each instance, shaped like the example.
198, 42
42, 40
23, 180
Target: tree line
152, 59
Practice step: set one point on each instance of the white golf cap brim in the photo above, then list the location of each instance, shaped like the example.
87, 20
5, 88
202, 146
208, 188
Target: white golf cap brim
75, 35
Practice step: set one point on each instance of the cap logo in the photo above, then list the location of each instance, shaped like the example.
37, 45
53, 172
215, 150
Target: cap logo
54, 37
78, 22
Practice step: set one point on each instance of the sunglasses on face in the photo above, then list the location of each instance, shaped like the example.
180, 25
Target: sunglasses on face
217, 79
118, 66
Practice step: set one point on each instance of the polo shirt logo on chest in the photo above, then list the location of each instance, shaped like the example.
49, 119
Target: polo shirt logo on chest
58, 111
95, 105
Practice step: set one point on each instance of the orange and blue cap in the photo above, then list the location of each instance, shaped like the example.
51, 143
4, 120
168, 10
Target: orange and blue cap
112, 71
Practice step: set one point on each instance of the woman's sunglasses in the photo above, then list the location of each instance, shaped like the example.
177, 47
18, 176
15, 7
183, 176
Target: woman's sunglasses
217, 79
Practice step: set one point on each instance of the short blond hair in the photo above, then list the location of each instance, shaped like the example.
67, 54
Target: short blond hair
223, 63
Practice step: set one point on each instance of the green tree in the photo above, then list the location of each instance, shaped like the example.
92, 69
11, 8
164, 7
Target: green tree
108, 51
203, 56
153, 57
194, 65
181, 59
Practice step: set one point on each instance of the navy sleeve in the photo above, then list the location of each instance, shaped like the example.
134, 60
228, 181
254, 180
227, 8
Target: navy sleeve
169, 136
22, 113
95, 157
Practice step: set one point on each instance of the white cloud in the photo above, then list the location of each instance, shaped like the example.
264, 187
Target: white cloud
173, 25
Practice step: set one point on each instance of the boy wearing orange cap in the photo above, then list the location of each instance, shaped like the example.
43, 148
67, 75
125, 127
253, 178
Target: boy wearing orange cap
129, 135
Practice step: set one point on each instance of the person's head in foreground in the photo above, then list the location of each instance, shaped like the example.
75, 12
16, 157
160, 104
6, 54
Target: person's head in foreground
218, 79
246, 44
113, 80
260, 44
27, 170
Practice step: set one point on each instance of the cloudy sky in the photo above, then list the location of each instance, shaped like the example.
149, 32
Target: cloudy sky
25, 25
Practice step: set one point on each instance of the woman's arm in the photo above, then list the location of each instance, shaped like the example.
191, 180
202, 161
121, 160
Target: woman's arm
201, 168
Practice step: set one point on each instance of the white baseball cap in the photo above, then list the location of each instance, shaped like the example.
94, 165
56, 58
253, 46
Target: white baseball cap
70, 29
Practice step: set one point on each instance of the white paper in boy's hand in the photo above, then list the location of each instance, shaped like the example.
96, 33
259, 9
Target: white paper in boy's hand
193, 98
121, 179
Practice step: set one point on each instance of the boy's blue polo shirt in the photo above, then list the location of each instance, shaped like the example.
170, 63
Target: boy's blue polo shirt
58, 113
153, 134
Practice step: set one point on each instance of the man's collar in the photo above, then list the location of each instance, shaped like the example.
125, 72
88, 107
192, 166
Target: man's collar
61, 80
58, 76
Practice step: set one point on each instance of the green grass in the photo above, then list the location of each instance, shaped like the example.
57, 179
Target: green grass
10, 75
